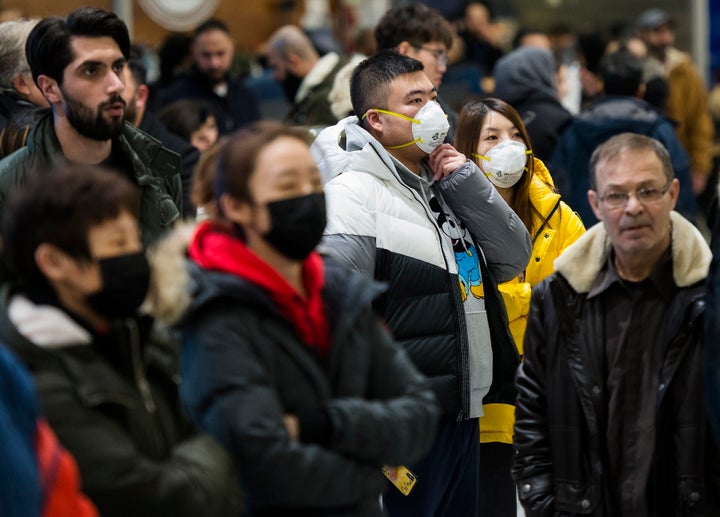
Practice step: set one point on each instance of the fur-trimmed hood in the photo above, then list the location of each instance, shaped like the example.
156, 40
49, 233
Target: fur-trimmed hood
581, 263
169, 296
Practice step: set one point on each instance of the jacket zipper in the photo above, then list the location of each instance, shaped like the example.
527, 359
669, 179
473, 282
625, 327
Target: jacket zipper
461, 351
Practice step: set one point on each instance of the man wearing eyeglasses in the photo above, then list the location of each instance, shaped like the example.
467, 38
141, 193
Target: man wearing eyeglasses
610, 418
421, 33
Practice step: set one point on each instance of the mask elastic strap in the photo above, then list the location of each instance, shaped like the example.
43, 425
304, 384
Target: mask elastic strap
481, 157
417, 140
392, 113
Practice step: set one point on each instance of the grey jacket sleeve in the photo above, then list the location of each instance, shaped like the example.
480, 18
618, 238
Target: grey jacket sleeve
495, 226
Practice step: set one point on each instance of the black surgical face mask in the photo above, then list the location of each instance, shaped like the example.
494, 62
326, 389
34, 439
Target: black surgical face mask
125, 283
297, 225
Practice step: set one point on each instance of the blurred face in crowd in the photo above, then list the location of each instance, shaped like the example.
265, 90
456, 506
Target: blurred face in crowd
76, 279
213, 52
25, 86
205, 136
136, 97
433, 55
659, 39
91, 92
635, 226
283, 72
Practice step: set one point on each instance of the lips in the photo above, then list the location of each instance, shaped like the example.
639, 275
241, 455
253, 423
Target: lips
116, 109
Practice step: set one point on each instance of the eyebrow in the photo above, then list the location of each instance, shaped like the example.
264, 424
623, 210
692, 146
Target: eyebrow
420, 91
497, 129
92, 62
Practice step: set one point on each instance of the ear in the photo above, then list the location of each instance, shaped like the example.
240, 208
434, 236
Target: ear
49, 88
52, 262
374, 121
594, 201
235, 211
21, 84
293, 64
404, 48
674, 192
142, 93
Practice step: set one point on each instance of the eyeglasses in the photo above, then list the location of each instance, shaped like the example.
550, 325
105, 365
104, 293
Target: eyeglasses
617, 199
441, 56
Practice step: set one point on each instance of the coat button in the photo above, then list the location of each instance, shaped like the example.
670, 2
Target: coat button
596, 391
661, 387
526, 488
585, 504
537, 259
547, 235
695, 497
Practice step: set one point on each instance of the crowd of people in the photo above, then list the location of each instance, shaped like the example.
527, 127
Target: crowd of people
392, 301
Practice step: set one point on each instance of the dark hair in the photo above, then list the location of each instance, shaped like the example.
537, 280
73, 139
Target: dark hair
415, 23
467, 135
622, 73
202, 192
238, 157
185, 116
48, 47
213, 24
173, 51
136, 65
370, 81
615, 146
59, 208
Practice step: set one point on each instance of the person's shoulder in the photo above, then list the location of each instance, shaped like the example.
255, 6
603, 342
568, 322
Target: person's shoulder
157, 159
13, 169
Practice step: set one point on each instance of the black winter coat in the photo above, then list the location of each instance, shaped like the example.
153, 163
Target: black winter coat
114, 405
244, 367
560, 466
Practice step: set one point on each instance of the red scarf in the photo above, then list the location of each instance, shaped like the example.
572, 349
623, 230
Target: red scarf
214, 248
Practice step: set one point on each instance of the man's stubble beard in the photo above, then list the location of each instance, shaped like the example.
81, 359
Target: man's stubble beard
93, 125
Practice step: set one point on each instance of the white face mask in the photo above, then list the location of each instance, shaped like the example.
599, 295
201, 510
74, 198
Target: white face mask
430, 126
505, 163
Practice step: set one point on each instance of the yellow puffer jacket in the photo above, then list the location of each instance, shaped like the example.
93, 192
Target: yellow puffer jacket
561, 228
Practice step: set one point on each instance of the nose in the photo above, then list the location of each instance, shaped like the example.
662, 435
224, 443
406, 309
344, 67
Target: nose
116, 82
215, 61
633, 205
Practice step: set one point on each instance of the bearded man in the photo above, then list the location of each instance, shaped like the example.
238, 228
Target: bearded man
78, 63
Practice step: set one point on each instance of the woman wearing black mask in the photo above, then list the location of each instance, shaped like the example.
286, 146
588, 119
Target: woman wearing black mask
107, 383
284, 361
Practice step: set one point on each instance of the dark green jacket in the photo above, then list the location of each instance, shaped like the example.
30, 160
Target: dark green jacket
155, 169
113, 403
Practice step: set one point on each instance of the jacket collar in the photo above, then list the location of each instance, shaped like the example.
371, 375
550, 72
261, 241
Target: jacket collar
369, 156
580, 263
317, 75
141, 148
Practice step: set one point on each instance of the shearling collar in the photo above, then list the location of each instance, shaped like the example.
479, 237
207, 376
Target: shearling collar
582, 261
317, 75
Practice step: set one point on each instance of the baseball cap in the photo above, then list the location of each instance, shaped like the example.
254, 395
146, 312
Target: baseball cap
653, 18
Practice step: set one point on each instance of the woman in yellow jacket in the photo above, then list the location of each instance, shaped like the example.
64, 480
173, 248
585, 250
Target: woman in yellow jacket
492, 133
